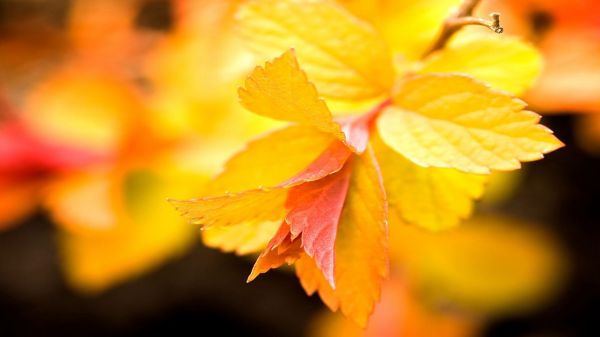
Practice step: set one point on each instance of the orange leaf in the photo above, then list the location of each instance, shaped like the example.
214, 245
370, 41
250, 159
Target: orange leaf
97, 196
312, 279
361, 247
281, 249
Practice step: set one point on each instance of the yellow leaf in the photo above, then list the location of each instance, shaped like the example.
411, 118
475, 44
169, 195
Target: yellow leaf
345, 57
234, 208
361, 256
453, 121
271, 159
282, 91
432, 198
506, 63
245, 238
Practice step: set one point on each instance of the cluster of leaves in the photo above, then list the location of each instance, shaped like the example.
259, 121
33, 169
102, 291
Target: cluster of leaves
321, 192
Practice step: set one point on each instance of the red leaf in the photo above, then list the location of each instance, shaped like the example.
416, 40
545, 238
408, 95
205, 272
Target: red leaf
314, 213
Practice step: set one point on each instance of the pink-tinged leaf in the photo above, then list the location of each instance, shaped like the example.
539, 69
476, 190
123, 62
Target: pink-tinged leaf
357, 129
314, 213
262, 204
329, 161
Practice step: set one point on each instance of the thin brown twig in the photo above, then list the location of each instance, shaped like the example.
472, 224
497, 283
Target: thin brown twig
461, 18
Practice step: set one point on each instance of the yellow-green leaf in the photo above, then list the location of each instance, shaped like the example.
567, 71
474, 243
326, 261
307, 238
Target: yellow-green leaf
345, 57
429, 197
282, 91
454, 121
506, 63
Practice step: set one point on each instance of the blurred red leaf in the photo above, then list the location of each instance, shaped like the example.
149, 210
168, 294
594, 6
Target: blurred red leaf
21, 151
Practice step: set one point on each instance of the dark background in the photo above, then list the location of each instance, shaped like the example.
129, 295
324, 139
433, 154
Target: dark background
204, 291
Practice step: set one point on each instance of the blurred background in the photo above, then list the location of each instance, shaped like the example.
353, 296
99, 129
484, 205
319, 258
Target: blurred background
108, 107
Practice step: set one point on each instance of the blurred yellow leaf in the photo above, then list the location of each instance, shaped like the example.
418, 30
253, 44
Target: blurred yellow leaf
452, 121
506, 63
282, 91
489, 265
501, 186
345, 57
401, 313
409, 26
86, 203
432, 198
196, 70
82, 107
149, 232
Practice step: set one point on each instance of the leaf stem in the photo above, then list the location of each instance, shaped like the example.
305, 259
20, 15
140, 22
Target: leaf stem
461, 18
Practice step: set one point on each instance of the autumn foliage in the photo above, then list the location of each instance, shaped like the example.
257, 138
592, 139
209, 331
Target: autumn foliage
425, 135
370, 151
